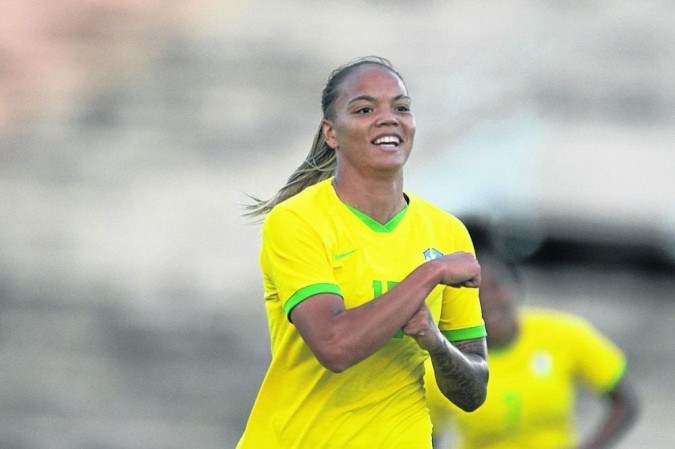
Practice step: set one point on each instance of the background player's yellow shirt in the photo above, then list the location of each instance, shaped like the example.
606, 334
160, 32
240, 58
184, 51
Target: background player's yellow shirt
313, 243
531, 391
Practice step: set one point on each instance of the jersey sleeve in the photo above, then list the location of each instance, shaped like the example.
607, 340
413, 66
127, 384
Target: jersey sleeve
294, 259
461, 315
600, 363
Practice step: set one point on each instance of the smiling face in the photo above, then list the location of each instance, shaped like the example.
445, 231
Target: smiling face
371, 126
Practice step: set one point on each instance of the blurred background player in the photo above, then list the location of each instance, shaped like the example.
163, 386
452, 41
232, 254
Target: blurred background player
538, 358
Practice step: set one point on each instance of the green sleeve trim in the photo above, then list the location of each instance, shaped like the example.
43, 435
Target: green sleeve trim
617, 378
306, 292
468, 333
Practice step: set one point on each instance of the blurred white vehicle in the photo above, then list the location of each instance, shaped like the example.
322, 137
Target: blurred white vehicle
596, 186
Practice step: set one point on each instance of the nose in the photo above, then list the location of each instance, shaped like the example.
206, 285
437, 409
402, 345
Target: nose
387, 118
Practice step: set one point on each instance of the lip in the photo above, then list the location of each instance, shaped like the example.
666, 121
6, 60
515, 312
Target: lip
379, 136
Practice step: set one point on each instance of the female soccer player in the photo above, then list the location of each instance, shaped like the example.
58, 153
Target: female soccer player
538, 360
363, 282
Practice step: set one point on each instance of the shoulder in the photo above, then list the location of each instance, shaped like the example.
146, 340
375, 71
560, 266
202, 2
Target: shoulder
310, 196
305, 206
431, 211
544, 318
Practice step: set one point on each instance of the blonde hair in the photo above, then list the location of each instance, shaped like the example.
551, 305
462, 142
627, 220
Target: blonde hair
320, 163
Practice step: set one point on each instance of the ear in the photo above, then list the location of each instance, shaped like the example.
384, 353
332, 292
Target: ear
329, 133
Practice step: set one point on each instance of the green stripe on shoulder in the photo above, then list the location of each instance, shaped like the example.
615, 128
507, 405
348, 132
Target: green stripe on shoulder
306, 292
468, 333
618, 377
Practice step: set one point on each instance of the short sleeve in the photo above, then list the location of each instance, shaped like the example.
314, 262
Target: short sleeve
294, 259
600, 363
461, 317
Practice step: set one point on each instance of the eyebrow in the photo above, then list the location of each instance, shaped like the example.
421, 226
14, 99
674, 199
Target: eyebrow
373, 99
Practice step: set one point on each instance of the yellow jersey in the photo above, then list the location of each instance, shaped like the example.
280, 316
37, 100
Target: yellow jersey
531, 392
313, 243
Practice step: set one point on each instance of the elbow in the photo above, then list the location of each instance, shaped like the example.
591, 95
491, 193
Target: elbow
626, 404
335, 366
336, 369
480, 392
332, 352
631, 411
335, 359
476, 395
469, 402
632, 416
472, 403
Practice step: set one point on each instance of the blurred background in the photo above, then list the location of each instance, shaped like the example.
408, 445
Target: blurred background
131, 311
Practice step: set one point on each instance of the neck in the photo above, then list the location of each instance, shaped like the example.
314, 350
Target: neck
505, 340
380, 199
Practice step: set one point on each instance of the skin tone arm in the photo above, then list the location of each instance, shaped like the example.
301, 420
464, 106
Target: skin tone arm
460, 369
622, 414
341, 337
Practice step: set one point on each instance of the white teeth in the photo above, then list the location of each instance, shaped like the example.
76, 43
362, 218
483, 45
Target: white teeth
387, 139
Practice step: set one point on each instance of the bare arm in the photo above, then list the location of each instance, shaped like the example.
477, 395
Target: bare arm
340, 337
460, 369
621, 415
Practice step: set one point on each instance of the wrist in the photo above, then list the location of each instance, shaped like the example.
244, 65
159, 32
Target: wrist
435, 269
439, 348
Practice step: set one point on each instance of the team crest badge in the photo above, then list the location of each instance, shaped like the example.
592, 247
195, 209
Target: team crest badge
431, 254
541, 363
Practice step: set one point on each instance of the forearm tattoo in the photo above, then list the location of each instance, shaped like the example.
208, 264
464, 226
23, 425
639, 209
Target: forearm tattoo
461, 372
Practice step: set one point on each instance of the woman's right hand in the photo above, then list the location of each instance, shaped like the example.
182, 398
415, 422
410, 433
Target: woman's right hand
459, 269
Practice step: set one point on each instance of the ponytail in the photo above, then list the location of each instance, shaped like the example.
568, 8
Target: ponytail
318, 165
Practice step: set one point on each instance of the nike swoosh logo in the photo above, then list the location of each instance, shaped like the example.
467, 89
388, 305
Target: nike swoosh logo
345, 254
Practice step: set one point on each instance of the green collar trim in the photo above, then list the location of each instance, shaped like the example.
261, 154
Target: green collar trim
375, 225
